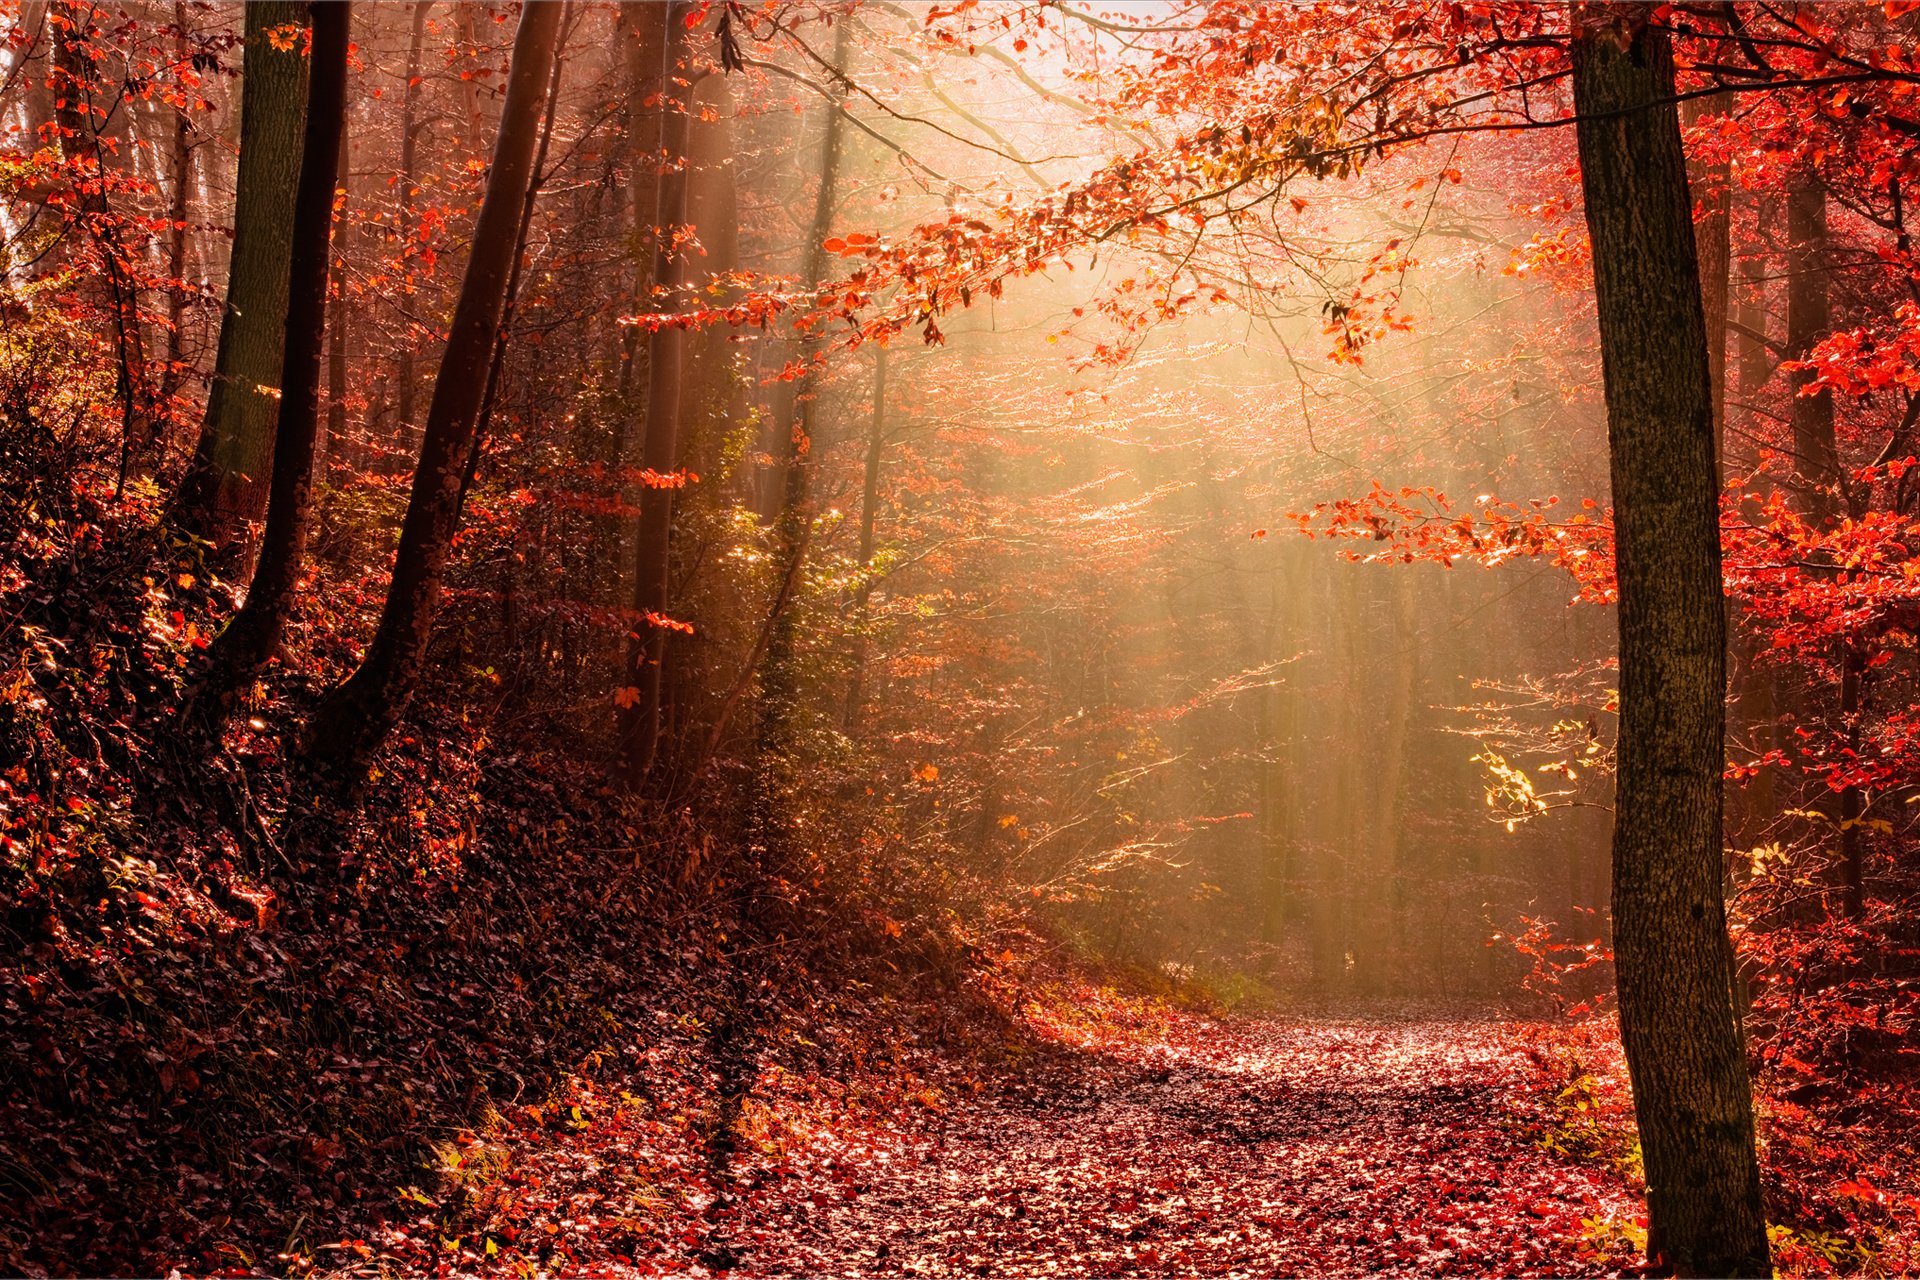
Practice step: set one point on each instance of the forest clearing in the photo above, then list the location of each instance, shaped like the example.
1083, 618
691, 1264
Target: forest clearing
959, 637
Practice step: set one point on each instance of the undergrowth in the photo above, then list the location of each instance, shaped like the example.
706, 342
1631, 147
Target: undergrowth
1838, 1193
247, 1034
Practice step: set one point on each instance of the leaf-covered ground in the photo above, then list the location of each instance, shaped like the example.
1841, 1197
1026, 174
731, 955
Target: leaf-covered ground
1124, 1139
1346, 1147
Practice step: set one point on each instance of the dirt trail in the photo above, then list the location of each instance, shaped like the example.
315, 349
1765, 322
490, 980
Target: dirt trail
1350, 1147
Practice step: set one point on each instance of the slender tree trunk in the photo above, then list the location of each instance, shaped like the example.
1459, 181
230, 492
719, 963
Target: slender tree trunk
181, 175
1279, 776
355, 717
498, 359
1823, 489
225, 489
795, 449
869, 522
253, 638
645, 38
337, 323
793, 529
1755, 362
1377, 944
466, 29
659, 451
408, 223
79, 118
1672, 955
1754, 683
1712, 235
1809, 319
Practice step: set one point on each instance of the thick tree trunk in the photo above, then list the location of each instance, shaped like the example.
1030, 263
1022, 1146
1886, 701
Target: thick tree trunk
1672, 955
225, 489
253, 637
353, 719
35, 61
659, 450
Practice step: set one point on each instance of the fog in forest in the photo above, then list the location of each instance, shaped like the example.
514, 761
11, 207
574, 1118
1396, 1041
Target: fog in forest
963, 637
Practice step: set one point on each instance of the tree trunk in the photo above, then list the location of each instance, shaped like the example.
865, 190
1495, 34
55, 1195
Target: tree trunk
1809, 319
354, 718
1672, 955
793, 526
225, 489
253, 637
1823, 489
869, 524
1377, 942
79, 118
1755, 363
1712, 237
1754, 683
337, 324
181, 179
466, 29
504, 334
646, 650
410, 127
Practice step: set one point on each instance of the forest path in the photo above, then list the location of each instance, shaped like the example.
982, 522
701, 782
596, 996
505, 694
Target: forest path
1273, 1147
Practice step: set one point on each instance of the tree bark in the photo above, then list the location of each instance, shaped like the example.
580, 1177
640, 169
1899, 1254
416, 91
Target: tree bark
1809, 319
1672, 955
1712, 236
1755, 694
355, 717
1822, 490
869, 524
337, 324
180, 176
659, 449
780, 698
253, 637
225, 489
466, 29
410, 127
1755, 363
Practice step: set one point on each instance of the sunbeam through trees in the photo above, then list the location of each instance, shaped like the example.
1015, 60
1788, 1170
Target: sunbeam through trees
1071, 637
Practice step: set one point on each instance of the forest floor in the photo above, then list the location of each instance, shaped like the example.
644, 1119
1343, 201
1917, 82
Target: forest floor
1135, 1140
1267, 1147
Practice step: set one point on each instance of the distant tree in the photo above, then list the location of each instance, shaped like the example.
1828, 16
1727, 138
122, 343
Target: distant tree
80, 115
412, 124
180, 178
659, 450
